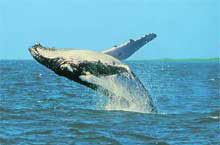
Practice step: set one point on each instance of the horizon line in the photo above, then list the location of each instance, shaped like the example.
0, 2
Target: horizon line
150, 59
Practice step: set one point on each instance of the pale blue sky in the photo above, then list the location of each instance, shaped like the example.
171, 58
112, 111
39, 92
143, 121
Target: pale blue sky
185, 28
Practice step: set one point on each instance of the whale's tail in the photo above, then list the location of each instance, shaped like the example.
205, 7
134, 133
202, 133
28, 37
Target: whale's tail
125, 50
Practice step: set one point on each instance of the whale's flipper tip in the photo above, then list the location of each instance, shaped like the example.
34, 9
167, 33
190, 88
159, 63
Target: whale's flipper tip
148, 37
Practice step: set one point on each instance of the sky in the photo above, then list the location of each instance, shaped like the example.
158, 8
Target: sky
184, 28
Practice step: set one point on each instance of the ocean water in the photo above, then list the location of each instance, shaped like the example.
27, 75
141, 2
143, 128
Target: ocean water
39, 107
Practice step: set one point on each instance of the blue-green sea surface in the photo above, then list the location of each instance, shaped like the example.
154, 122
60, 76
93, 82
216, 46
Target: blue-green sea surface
39, 107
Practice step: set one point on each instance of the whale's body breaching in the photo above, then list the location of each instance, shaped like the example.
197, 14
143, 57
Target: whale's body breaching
100, 70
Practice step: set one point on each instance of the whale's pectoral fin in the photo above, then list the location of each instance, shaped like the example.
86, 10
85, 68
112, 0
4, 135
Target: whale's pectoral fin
125, 50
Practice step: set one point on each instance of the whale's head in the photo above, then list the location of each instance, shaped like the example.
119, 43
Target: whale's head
76, 63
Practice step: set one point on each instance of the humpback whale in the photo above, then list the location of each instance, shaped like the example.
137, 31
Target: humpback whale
95, 69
